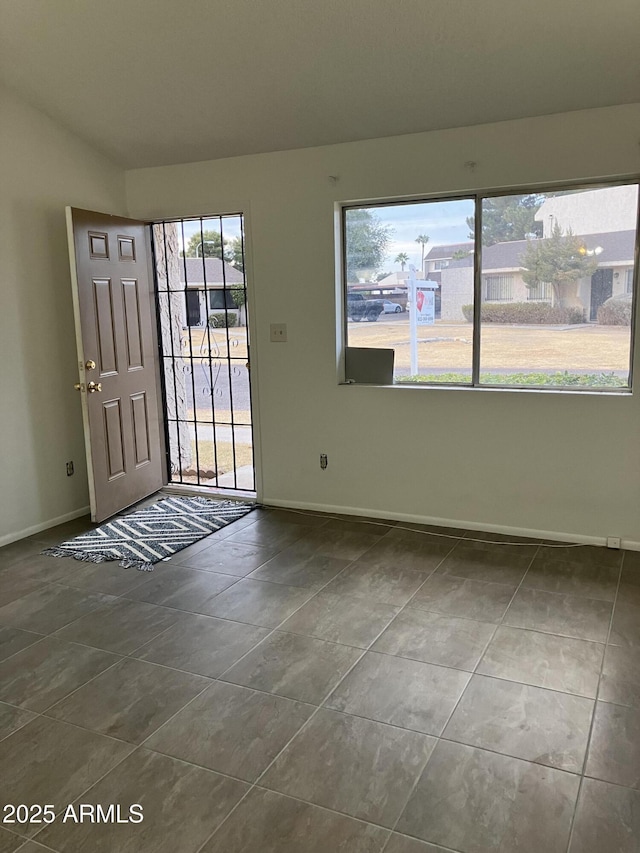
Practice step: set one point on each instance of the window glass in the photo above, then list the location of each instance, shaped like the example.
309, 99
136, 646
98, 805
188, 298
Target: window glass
220, 299
554, 284
555, 310
396, 275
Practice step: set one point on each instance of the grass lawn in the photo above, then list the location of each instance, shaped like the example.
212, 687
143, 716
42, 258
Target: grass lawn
519, 348
244, 455
223, 416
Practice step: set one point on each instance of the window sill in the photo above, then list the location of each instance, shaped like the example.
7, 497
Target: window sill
524, 389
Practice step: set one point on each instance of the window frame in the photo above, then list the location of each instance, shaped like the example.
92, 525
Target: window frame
477, 197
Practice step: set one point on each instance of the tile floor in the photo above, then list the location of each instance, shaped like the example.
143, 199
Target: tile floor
300, 684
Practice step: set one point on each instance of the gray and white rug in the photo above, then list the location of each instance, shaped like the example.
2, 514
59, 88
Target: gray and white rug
148, 535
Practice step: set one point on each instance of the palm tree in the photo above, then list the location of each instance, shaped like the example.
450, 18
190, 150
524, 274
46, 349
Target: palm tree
402, 259
423, 239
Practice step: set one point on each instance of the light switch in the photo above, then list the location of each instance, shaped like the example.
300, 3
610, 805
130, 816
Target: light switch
278, 333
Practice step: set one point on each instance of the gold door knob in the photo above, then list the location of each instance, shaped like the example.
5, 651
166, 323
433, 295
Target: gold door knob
92, 387
79, 386
90, 365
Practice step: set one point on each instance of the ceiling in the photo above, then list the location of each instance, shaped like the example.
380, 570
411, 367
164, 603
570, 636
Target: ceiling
153, 82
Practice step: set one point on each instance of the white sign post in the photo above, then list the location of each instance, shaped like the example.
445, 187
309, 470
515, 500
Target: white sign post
413, 321
422, 300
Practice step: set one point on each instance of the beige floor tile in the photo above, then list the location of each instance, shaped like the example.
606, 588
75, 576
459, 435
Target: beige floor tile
183, 589
121, 626
181, 804
226, 558
202, 644
13, 640
129, 701
452, 596
359, 767
544, 660
267, 822
433, 638
341, 619
588, 580
527, 722
12, 719
294, 666
296, 568
231, 729
259, 603
50, 608
477, 801
607, 819
385, 584
46, 672
47, 761
406, 693
493, 564
9, 842
614, 751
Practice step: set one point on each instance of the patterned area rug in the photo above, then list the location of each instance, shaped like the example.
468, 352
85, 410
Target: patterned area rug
148, 535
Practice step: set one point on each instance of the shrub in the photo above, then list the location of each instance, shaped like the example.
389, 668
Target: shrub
540, 313
616, 311
222, 320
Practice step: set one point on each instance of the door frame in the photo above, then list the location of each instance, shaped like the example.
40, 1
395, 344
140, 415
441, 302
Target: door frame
242, 208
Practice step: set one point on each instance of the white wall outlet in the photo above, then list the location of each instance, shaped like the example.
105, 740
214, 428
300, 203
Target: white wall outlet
278, 333
613, 541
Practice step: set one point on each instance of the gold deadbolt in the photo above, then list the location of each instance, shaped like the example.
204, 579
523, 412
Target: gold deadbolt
92, 387
90, 365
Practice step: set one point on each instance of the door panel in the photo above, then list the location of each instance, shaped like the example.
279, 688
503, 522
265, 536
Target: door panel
113, 305
132, 324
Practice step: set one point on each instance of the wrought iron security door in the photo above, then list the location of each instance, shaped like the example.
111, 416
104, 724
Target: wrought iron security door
201, 291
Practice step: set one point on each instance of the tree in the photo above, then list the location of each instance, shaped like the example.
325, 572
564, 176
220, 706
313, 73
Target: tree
235, 248
239, 296
423, 239
402, 259
506, 218
460, 254
562, 260
367, 240
207, 244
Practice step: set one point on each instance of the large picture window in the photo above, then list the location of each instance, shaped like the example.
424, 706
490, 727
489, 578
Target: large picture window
529, 290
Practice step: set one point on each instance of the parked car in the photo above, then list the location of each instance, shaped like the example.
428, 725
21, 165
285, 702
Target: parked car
359, 308
392, 307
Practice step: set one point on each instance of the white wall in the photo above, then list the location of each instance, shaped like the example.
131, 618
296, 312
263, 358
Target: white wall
600, 211
42, 169
503, 459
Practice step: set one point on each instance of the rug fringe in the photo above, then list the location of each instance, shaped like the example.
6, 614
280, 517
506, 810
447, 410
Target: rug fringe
77, 555
140, 565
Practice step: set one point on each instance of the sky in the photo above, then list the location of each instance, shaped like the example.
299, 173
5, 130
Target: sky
443, 221
230, 227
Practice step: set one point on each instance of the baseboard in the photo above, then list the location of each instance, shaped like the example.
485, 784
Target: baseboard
38, 528
529, 532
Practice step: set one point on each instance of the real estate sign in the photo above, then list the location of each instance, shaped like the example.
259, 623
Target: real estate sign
426, 305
